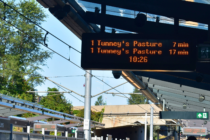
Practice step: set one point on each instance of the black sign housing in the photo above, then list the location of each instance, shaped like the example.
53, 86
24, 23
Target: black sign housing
137, 52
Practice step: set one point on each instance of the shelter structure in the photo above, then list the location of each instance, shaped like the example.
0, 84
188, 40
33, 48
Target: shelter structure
10, 106
180, 91
129, 115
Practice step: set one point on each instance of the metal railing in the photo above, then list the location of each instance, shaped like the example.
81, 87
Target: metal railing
7, 135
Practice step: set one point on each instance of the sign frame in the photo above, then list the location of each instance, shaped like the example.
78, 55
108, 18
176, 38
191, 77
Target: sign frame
181, 115
40, 129
88, 65
194, 128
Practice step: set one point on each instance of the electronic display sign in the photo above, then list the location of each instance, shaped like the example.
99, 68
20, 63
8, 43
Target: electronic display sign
47, 127
194, 130
137, 52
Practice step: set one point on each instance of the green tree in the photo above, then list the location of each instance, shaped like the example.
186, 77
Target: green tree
100, 101
95, 116
137, 98
56, 102
20, 51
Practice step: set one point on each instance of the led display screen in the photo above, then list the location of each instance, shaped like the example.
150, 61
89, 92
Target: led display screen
137, 52
194, 130
47, 127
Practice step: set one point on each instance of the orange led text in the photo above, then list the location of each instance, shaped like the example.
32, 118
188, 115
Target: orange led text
109, 51
109, 43
147, 51
147, 44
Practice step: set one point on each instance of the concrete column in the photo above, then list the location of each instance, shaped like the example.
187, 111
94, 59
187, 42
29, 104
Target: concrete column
145, 127
87, 111
151, 123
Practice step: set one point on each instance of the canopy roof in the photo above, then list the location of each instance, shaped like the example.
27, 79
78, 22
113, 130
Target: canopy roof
10, 106
192, 17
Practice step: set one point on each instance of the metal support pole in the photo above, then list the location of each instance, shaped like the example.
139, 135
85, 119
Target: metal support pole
208, 32
179, 133
66, 133
151, 123
43, 133
28, 131
103, 20
87, 106
11, 131
176, 25
145, 127
164, 104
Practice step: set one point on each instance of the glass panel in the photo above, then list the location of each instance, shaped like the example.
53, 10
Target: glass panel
20, 137
61, 138
4, 136
35, 137
116, 11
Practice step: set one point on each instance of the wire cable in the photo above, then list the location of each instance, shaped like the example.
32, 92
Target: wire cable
57, 52
73, 63
39, 26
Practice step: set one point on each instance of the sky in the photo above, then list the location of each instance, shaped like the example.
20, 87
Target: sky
58, 66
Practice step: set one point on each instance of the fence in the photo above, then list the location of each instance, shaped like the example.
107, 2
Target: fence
107, 138
8, 135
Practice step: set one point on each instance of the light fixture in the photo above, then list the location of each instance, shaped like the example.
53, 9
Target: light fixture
117, 74
205, 122
201, 98
125, 75
184, 106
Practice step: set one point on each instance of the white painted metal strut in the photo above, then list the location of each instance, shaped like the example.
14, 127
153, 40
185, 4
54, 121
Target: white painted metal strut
145, 127
151, 123
108, 90
48, 92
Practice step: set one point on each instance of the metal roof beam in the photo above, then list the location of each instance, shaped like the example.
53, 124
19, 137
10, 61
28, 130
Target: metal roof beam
182, 86
37, 118
163, 94
12, 113
58, 122
176, 91
148, 28
169, 99
130, 77
190, 106
190, 76
170, 79
172, 8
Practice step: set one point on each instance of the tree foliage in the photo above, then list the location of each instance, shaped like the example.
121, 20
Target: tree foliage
21, 55
100, 101
137, 98
56, 102
95, 116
